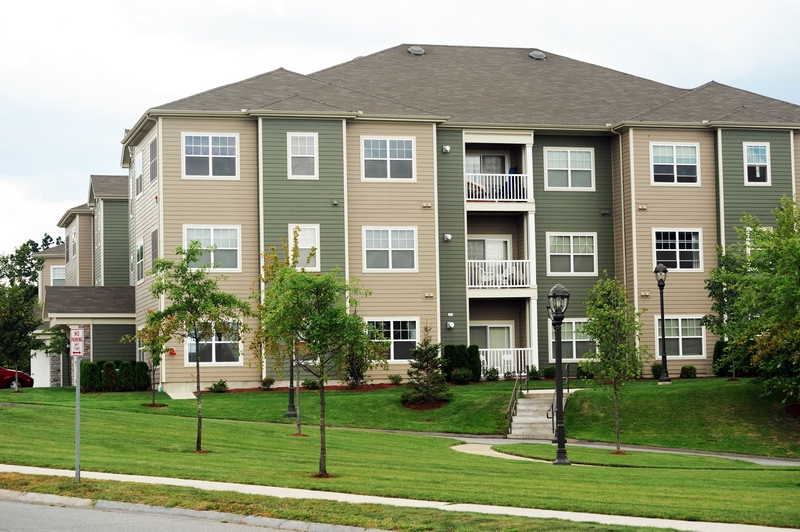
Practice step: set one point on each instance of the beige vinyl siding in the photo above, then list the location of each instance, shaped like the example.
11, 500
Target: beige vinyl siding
491, 311
72, 265
209, 202
621, 194
675, 207
45, 275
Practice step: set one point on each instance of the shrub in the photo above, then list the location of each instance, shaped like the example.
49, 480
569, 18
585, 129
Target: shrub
218, 387
474, 362
688, 372
395, 379
310, 384
141, 376
533, 373
125, 377
655, 369
117, 363
455, 356
584, 371
91, 377
426, 381
109, 377
549, 372
357, 367
509, 376
267, 382
462, 375
492, 374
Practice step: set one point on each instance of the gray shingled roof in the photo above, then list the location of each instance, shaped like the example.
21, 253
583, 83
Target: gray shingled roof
105, 186
90, 300
66, 218
57, 251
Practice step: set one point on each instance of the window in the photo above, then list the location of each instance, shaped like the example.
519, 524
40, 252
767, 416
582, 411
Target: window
678, 250
210, 156
388, 158
390, 249
139, 261
575, 344
58, 275
571, 254
66, 249
74, 243
98, 224
219, 349
154, 245
491, 336
138, 173
303, 156
153, 160
130, 197
485, 164
569, 169
675, 163
402, 333
226, 256
307, 238
756, 164
685, 337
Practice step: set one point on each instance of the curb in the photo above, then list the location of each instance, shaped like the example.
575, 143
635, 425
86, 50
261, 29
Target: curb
43, 498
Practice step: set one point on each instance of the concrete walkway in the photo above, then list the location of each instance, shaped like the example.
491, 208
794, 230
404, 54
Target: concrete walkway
415, 503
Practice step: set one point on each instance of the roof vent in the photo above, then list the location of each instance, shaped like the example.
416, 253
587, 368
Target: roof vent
538, 54
416, 50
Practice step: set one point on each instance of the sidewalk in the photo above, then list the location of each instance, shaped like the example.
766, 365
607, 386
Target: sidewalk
350, 498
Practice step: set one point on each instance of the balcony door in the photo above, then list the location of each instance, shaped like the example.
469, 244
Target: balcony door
491, 336
489, 249
486, 164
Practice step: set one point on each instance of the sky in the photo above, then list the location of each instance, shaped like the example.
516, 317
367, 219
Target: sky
74, 75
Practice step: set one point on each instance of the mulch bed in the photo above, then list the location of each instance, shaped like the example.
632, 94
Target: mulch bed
425, 406
793, 410
364, 388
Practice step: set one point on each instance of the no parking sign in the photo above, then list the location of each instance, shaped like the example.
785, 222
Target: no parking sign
76, 342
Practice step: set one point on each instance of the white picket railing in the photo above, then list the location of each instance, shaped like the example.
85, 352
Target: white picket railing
499, 273
497, 187
515, 361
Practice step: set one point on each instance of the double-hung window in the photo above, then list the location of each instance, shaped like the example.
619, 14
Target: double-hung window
138, 170
220, 348
58, 275
388, 158
153, 160
756, 164
221, 247
575, 344
302, 150
139, 261
685, 337
675, 163
678, 249
392, 248
572, 254
402, 333
569, 169
210, 155
307, 239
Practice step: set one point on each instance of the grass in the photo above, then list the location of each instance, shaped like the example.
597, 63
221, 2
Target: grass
389, 465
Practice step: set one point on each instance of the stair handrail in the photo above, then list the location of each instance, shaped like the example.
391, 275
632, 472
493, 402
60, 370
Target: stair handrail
512, 403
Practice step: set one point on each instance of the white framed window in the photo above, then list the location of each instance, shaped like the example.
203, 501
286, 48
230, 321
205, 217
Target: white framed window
130, 196
219, 350
390, 248
210, 155
492, 335
756, 164
307, 239
226, 256
403, 334
153, 160
74, 243
571, 253
569, 169
98, 233
685, 336
139, 261
575, 344
302, 162
674, 164
138, 173
58, 275
388, 158
487, 163
678, 249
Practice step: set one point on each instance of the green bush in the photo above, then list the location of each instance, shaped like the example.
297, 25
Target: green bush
722, 365
462, 375
549, 372
126, 379
310, 384
584, 371
267, 382
395, 379
474, 362
109, 377
509, 376
534, 374
218, 387
655, 369
426, 381
688, 372
455, 356
492, 374
91, 377
141, 376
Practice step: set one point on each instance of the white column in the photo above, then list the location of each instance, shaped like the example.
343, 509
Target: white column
529, 169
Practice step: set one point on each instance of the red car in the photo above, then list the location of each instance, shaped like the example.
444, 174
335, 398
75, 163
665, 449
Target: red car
7, 378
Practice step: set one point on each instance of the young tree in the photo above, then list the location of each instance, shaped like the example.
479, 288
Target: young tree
614, 325
197, 309
18, 321
426, 378
154, 337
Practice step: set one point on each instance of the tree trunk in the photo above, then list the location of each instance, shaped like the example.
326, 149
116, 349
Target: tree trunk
297, 400
322, 448
153, 383
16, 379
199, 446
616, 408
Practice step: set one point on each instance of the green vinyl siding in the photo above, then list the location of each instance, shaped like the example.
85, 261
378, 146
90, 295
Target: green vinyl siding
452, 255
115, 243
571, 212
97, 251
294, 201
106, 342
756, 200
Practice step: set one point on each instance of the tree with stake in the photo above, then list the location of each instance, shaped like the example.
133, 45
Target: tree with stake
197, 310
614, 325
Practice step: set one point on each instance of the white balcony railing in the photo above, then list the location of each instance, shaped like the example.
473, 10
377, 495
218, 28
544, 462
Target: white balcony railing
497, 187
515, 361
499, 273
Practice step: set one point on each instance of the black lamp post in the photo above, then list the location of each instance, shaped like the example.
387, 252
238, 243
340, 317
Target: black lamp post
291, 412
661, 278
558, 300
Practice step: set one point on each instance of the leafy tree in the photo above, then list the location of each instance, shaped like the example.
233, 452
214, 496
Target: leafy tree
48, 242
614, 325
426, 379
154, 337
21, 268
18, 321
197, 309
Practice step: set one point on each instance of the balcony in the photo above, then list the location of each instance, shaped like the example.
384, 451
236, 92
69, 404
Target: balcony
512, 360
497, 187
499, 273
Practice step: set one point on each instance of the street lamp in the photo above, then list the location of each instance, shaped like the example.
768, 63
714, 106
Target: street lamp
661, 278
558, 300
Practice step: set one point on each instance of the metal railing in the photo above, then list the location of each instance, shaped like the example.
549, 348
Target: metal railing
511, 411
499, 273
512, 360
496, 187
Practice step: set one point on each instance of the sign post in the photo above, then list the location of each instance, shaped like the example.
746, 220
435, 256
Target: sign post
76, 351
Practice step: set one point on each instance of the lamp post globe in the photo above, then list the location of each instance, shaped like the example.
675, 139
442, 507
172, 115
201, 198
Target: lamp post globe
557, 303
661, 278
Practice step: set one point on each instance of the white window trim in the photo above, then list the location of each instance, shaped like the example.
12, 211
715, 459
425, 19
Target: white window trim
747, 183
568, 188
52, 269
73, 255
389, 179
495, 323
318, 267
570, 274
364, 268
551, 356
289, 156
150, 158
209, 177
390, 359
188, 364
697, 230
98, 229
138, 179
139, 243
675, 184
211, 268
656, 319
